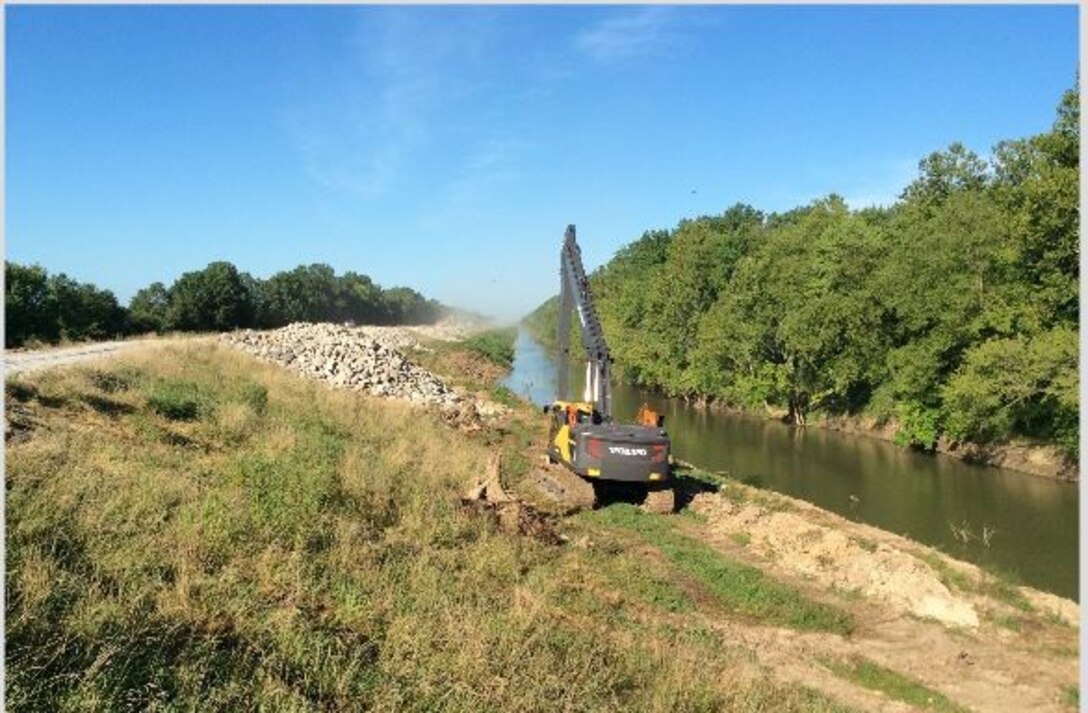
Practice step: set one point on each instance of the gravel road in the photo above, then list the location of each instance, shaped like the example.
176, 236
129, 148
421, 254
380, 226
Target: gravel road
35, 360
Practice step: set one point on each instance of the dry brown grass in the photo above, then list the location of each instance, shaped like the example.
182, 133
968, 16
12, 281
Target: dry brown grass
298, 548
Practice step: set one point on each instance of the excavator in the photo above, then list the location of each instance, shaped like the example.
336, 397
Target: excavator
585, 445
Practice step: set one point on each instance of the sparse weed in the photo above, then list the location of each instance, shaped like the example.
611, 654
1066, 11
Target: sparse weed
1010, 622
853, 594
741, 538
950, 577
962, 532
865, 543
255, 396
505, 396
1003, 587
873, 676
1054, 618
691, 515
15, 389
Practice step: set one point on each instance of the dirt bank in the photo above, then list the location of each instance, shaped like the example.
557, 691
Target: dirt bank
984, 643
1039, 459
1044, 460
832, 557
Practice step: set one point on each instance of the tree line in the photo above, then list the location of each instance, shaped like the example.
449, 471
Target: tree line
953, 312
50, 308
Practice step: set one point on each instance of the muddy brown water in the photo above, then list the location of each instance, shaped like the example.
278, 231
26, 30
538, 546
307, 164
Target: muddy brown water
921, 496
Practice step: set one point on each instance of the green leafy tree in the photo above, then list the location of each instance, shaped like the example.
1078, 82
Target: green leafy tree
53, 307
944, 173
362, 298
92, 314
1038, 182
309, 293
404, 305
622, 291
212, 299
948, 282
799, 325
148, 309
29, 312
258, 298
1017, 385
700, 260
543, 323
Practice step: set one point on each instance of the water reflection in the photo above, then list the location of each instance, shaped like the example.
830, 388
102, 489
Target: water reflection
864, 479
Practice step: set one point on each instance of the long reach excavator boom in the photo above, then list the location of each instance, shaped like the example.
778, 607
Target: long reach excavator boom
574, 296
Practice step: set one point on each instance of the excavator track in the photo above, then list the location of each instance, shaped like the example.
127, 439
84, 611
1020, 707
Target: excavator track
555, 488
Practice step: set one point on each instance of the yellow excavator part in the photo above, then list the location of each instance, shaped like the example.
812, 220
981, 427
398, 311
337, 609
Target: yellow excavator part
562, 442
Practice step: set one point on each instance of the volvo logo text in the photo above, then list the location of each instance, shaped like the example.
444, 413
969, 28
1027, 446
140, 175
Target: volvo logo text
624, 451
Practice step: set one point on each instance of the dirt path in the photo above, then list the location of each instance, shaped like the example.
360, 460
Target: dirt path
37, 359
985, 645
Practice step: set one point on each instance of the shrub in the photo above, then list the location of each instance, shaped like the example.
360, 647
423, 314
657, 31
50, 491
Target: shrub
496, 345
114, 381
255, 396
176, 400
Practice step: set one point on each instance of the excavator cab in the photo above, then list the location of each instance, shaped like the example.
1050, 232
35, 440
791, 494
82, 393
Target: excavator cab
570, 413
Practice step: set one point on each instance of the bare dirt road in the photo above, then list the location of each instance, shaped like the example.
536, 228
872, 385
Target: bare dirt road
37, 359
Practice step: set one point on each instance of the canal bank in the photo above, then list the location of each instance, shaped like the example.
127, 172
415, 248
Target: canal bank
1022, 526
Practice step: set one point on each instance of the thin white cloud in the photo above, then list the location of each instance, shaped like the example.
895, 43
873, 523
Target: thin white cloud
409, 64
627, 35
492, 164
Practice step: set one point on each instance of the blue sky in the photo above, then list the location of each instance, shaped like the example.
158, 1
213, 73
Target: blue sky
446, 148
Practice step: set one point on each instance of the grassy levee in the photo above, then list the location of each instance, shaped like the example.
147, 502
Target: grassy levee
195, 530
495, 345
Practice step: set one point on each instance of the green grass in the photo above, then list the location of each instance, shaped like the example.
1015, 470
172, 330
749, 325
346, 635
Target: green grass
737, 587
875, 677
284, 546
865, 543
999, 585
1003, 587
738, 492
950, 577
1071, 696
495, 345
505, 396
741, 538
635, 578
1010, 622
177, 400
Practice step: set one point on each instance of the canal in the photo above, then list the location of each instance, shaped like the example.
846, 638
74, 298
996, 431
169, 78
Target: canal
921, 496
